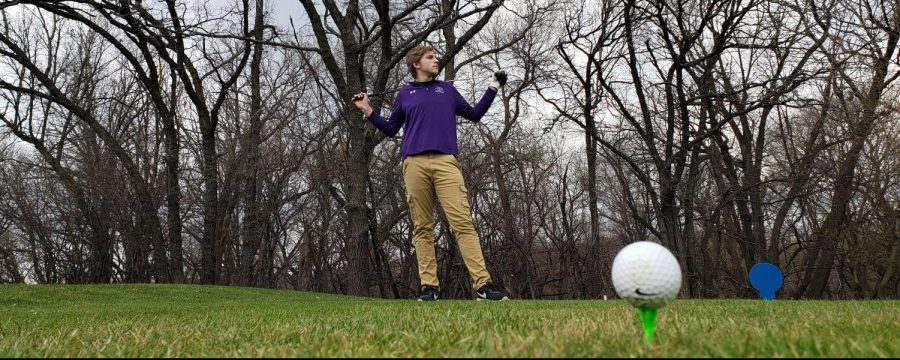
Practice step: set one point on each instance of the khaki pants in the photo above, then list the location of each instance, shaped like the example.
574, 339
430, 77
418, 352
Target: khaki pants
426, 175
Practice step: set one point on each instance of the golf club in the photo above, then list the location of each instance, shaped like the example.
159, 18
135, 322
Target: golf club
391, 91
499, 74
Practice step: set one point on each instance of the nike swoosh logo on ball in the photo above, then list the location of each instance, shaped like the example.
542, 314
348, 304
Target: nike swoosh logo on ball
639, 292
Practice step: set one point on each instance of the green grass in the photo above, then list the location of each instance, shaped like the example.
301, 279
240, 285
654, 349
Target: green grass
213, 321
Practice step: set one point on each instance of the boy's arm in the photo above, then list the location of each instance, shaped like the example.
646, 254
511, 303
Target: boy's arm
390, 126
475, 113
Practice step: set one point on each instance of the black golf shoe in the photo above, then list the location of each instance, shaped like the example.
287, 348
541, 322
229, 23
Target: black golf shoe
490, 292
429, 293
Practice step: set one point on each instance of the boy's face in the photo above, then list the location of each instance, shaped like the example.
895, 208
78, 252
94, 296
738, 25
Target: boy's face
428, 64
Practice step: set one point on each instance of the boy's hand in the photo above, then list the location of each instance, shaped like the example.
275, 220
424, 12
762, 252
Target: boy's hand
361, 101
498, 80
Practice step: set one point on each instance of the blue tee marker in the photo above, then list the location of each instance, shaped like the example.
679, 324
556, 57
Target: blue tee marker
766, 279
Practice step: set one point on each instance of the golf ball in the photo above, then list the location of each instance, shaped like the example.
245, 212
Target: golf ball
646, 275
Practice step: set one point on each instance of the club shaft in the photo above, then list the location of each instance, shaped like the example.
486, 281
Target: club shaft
398, 89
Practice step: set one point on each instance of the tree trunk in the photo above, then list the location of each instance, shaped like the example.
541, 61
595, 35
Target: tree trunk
821, 259
800, 176
357, 226
100, 263
252, 223
173, 192
210, 175
893, 264
595, 258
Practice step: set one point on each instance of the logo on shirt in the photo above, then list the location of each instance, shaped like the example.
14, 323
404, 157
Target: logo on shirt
439, 90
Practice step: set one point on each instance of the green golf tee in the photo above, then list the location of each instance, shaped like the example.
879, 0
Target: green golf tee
648, 320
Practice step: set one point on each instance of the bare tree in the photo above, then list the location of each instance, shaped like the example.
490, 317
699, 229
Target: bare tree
590, 30
517, 43
46, 83
388, 36
779, 58
879, 49
183, 141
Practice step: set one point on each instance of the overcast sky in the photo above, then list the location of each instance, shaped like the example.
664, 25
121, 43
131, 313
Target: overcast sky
282, 9
279, 10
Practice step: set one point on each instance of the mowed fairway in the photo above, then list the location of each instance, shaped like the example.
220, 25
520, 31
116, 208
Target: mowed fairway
214, 321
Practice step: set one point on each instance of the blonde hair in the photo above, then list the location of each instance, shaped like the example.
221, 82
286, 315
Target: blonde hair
414, 55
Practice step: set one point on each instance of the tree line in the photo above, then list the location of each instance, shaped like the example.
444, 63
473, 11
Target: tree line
180, 141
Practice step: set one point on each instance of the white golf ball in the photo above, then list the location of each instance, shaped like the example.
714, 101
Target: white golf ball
646, 275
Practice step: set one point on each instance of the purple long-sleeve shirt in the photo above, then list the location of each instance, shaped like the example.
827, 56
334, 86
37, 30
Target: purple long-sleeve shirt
427, 112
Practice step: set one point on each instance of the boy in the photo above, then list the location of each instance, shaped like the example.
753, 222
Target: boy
426, 109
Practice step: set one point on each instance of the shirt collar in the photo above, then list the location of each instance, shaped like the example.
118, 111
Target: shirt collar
426, 83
